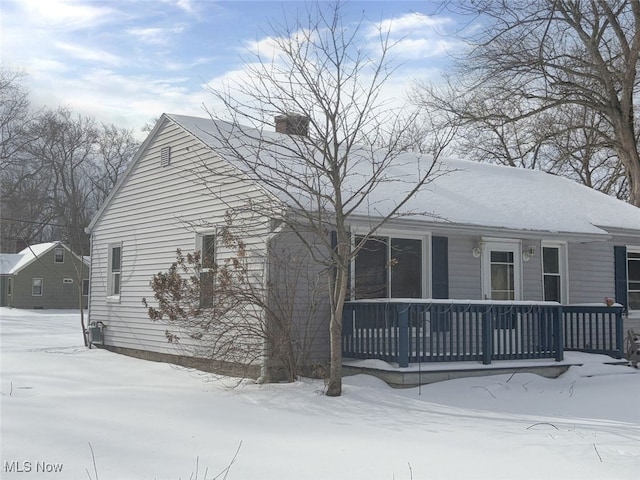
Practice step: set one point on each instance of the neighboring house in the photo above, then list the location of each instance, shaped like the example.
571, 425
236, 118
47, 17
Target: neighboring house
46, 275
479, 235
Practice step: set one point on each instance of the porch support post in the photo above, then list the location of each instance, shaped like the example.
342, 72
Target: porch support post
403, 335
558, 322
487, 337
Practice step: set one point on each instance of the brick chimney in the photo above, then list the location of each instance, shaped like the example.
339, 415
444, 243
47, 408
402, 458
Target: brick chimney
292, 124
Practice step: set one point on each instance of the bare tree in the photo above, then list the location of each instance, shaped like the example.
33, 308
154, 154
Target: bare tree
115, 148
218, 311
59, 170
531, 66
320, 81
14, 116
64, 147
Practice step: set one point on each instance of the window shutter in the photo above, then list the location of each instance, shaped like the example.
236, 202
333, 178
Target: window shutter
620, 272
439, 267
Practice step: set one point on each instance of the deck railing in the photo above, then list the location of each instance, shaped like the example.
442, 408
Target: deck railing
406, 331
594, 329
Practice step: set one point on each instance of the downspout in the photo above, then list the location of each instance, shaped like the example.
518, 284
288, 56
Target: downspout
265, 281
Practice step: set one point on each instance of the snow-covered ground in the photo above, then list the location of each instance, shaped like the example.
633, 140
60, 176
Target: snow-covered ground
62, 405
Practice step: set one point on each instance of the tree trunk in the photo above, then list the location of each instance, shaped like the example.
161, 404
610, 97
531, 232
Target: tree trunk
334, 387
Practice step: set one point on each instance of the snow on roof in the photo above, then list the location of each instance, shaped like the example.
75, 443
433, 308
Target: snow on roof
13, 262
460, 192
8, 261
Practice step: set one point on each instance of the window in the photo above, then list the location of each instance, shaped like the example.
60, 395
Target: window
58, 255
208, 250
10, 286
85, 287
633, 279
553, 273
115, 264
165, 156
389, 267
36, 287
503, 275
67, 280
207, 247
552, 280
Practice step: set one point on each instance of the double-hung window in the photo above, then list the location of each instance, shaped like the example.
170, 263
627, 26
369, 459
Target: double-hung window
115, 270
389, 267
58, 255
207, 247
633, 278
553, 272
36, 287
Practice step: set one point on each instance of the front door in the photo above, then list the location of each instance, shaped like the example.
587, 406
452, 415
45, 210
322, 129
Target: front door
501, 281
501, 271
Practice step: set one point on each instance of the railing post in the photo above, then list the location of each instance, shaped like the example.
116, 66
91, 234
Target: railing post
558, 321
403, 334
487, 336
619, 333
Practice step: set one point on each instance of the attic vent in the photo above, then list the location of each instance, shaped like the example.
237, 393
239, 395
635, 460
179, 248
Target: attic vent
165, 156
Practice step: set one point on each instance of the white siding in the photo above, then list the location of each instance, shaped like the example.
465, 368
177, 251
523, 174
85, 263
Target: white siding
152, 215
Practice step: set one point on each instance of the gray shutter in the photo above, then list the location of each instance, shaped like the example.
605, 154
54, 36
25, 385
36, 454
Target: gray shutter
439, 267
620, 264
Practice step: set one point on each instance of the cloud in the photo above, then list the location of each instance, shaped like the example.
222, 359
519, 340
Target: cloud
69, 14
156, 35
416, 36
411, 24
88, 54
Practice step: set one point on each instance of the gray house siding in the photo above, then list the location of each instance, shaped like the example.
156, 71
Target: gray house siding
55, 292
591, 272
4, 280
464, 269
589, 275
157, 210
298, 288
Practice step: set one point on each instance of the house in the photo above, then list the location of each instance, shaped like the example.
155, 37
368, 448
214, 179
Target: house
490, 262
46, 275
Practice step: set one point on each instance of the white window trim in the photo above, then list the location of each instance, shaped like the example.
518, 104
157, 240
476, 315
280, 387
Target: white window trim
54, 255
632, 249
41, 286
392, 233
113, 297
563, 261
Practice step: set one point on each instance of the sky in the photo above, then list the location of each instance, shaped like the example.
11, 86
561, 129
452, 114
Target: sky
125, 62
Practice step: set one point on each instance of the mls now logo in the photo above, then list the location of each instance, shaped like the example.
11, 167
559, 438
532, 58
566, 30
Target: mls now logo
27, 467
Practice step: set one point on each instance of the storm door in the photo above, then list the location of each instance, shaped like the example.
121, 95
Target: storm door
501, 272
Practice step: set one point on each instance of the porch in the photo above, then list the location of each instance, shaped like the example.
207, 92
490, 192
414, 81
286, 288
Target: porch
455, 335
